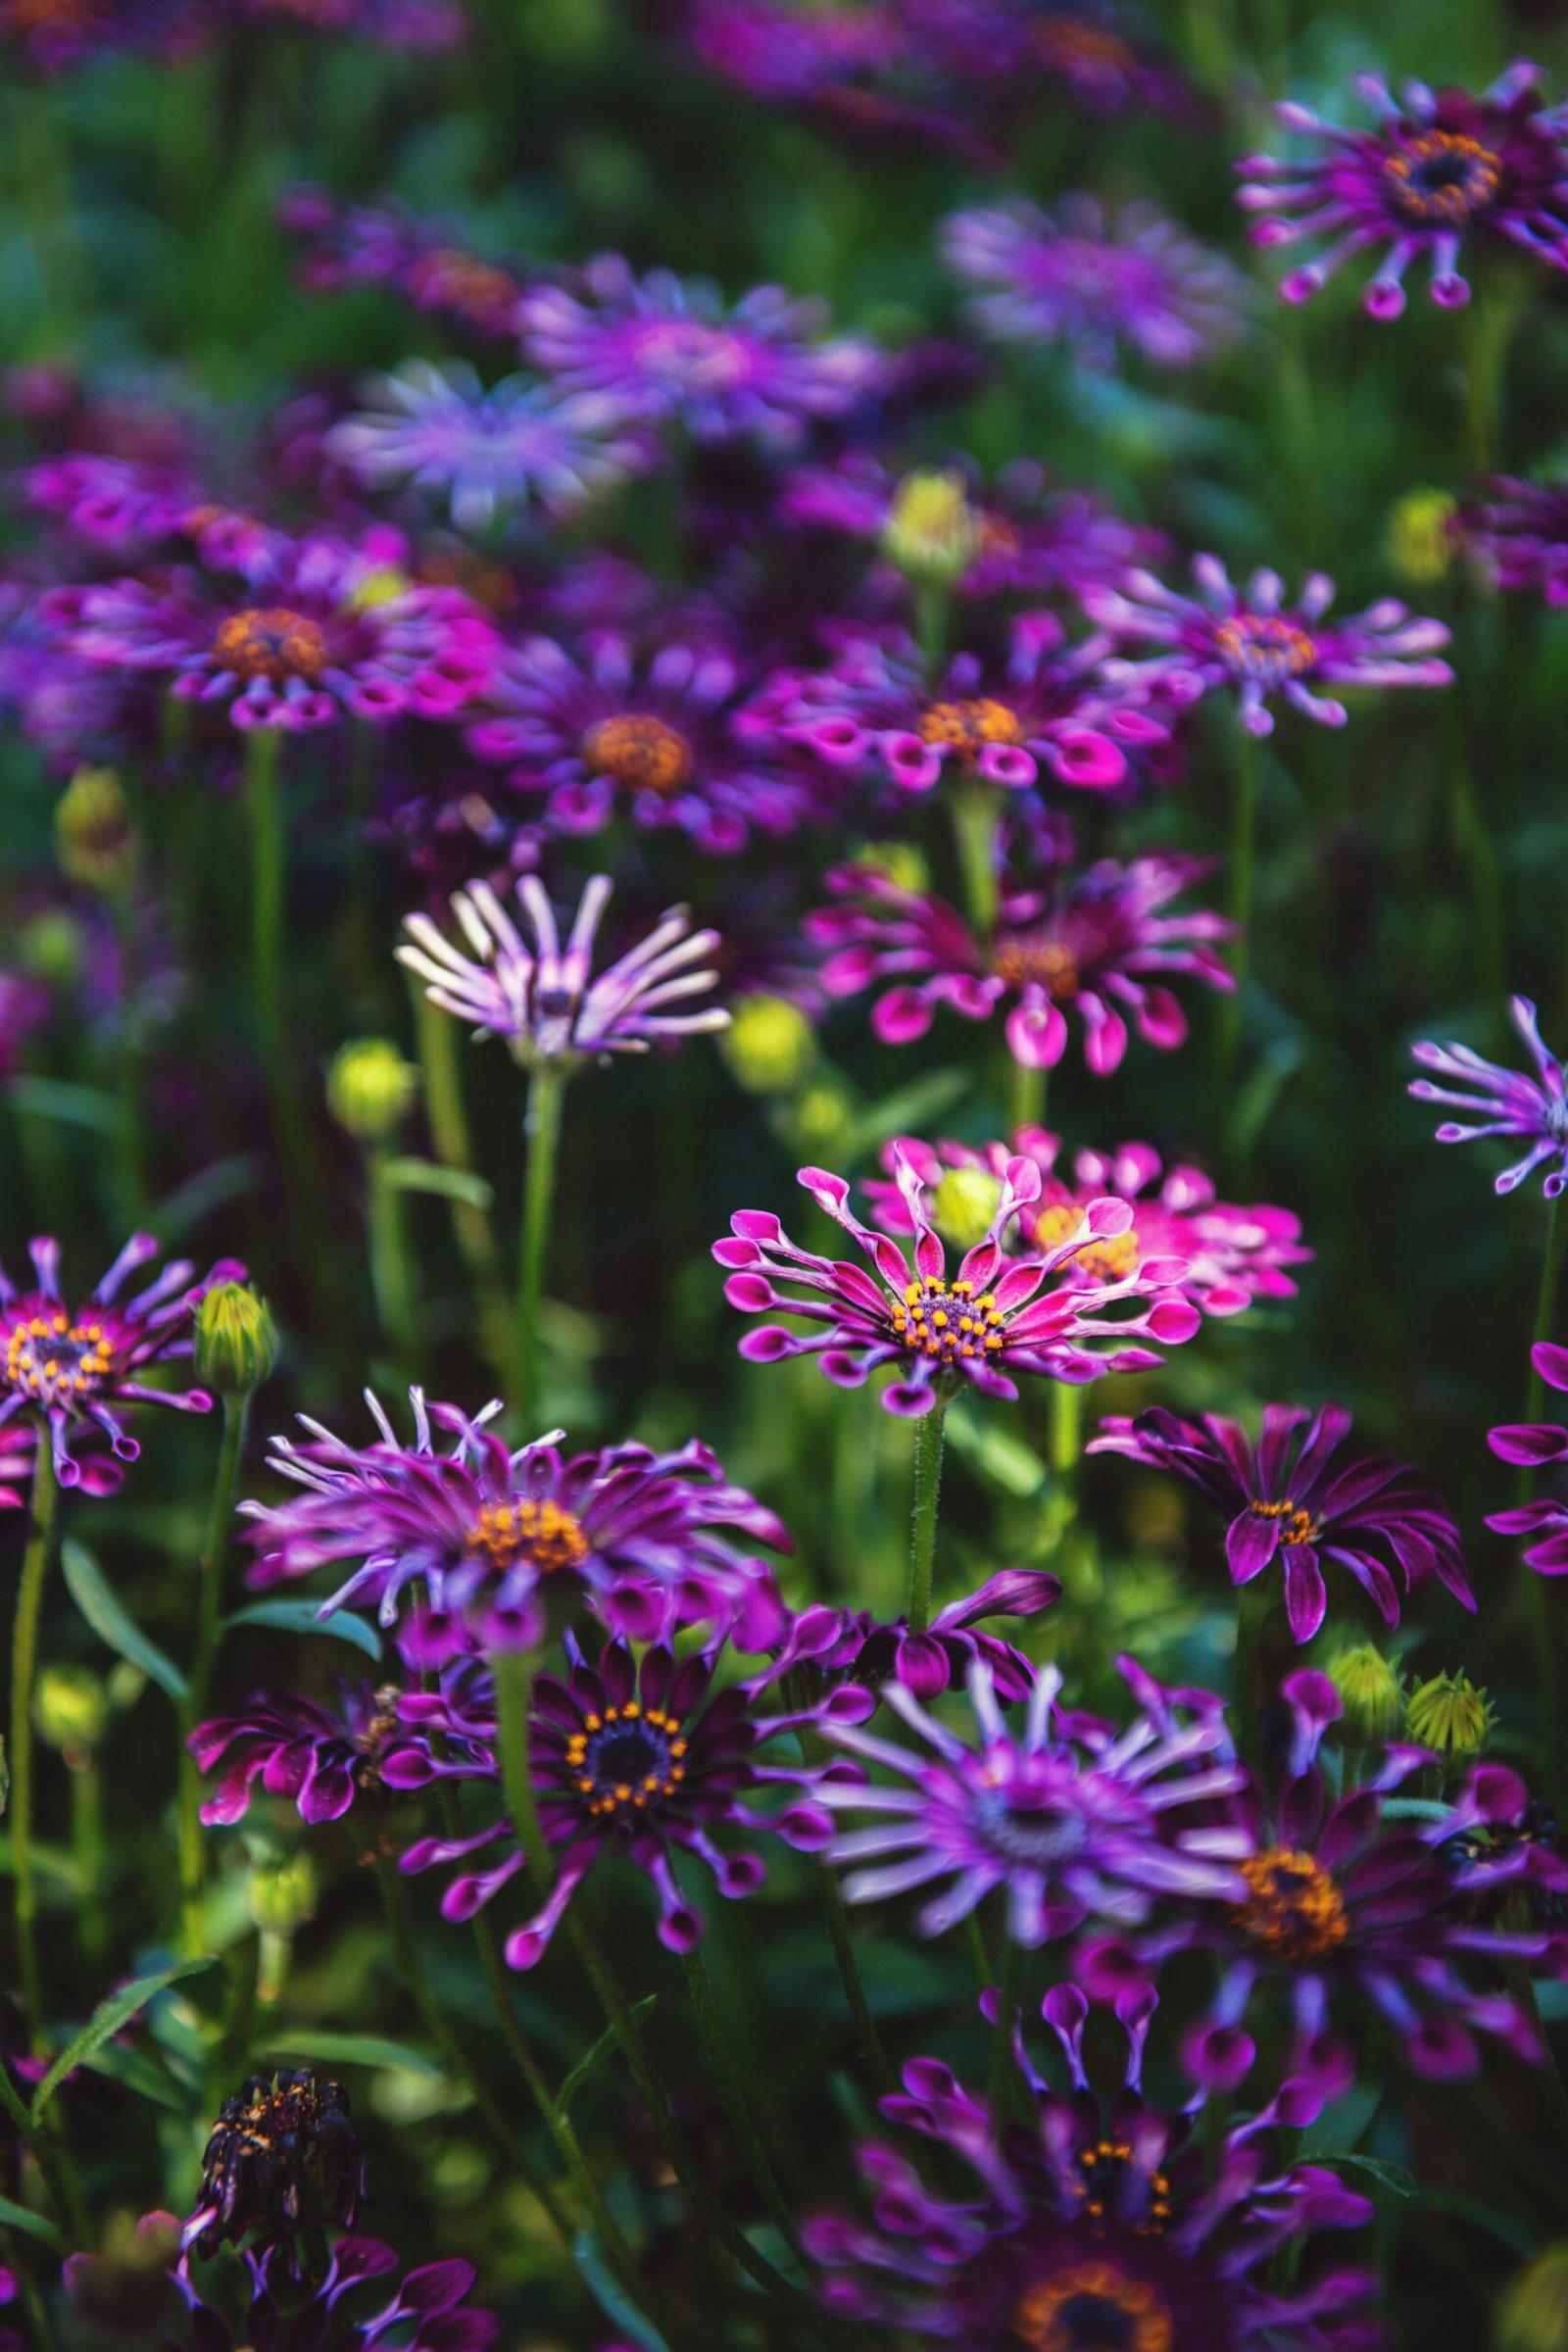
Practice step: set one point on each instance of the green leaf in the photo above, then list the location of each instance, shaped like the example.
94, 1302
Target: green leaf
1391, 2176
302, 1617
612, 2300
430, 1176
1002, 1458
139, 2073
59, 1098
1343, 2123
35, 2225
111, 1622
601, 2050
350, 2050
106, 2022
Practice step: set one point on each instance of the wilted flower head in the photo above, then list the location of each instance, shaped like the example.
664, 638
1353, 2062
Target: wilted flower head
1436, 166
544, 999
1499, 1102
283, 2156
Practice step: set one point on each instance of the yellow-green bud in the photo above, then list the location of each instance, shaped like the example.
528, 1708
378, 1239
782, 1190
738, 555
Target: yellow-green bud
901, 862
283, 1895
1531, 2311
819, 1118
70, 1708
1371, 1693
932, 533
963, 1204
371, 1088
50, 947
1450, 1714
95, 839
236, 1340
382, 584
769, 1044
1421, 540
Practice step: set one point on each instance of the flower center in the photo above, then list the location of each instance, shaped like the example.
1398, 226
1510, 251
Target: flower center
1265, 647
705, 359
1093, 2308
1295, 1910
965, 728
1110, 1261
1028, 1835
476, 289
548, 1538
1442, 178
1037, 964
1112, 2177
626, 1760
947, 1323
270, 642
1299, 1526
57, 1361
640, 752
374, 1734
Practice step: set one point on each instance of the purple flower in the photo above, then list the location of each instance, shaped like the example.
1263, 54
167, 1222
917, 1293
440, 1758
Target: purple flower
484, 1536
1090, 52
995, 1318
852, 1645
546, 1001
1519, 531
1072, 1818
385, 245
53, 34
1284, 1504
123, 507
73, 1369
325, 1761
1093, 944
1253, 641
1531, 1445
485, 452
1102, 2222
1437, 165
668, 351
634, 1758
648, 729
423, 25
1499, 1102
796, 51
1093, 282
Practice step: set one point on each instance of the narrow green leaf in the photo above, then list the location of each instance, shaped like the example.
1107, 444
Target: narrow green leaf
601, 2050
430, 1176
35, 2225
1342, 2122
611, 2298
350, 2050
113, 1624
302, 1617
59, 1099
106, 2022
1391, 2176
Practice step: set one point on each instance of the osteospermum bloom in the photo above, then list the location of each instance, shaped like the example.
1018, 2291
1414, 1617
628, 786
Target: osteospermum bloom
1093, 282
1504, 1102
1102, 2222
483, 1535
1252, 641
669, 350
853, 1645
999, 1314
1285, 1503
485, 452
323, 1760
1518, 532
1531, 1444
648, 729
1232, 1255
635, 1758
73, 1369
1095, 946
1436, 166
545, 999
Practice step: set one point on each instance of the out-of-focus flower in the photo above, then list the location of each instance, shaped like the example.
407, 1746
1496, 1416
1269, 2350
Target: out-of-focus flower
283, 2155
1436, 166
1096, 54
95, 836
1499, 1102
385, 245
1531, 1445
1518, 532
1531, 2313
669, 350
1094, 944
1000, 1314
1284, 1504
1252, 641
852, 1645
1102, 2222
371, 1088
932, 534
545, 1000
771, 1045
1371, 1696
1098, 283
1424, 536
124, 507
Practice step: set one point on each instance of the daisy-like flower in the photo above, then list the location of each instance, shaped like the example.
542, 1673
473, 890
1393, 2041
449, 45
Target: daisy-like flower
1518, 531
386, 245
852, 1645
634, 1758
1252, 641
1232, 1255
325, 1761
123, 507
670, 351
1505, 1103
314, 630
1093, 944
646, 728
73, 1369
485, 452
545, 999
1096, 282
793, 51
1102, 2222
483, 1535
1531, 1445
1284, 1502
995, 1317
1437, 166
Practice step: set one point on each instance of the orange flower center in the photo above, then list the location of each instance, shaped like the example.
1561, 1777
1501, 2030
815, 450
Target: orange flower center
1295, 1910
476, 289
270, 642
640, 752
1040, 963
948, 1322
57, 1361
968, 727
1093, 2308
1110, 1260
541, 1532
1442, 178
626, 1759
1299, 1526
1067, 43
1265, 647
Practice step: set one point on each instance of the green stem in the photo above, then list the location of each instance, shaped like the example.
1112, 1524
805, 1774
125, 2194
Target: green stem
437, 1034
264, 808
542, 1127
931, 602
976, 815
1253, 1602
923, 1516
726, 2074
24, 1673
64, 2193
868, 2040
514, 1671
208, 1610
1243, 862
391, 1277
1026, 1093
975, 1945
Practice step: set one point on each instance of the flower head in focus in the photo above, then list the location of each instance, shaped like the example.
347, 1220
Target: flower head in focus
853, 1645
1504, 1102
283, 2156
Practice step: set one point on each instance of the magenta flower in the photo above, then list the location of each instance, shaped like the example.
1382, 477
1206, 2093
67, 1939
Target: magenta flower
1284, 1505
1104, 2222
1532, 1445
1436, 167
327, 1761
73, 1369
1094, 282
121, 507
1092, 53
1519, 532
385, 245
1251, 640
852, 1645
1094, 944
546, 1000
995, 1317
1499, 1102
795, 51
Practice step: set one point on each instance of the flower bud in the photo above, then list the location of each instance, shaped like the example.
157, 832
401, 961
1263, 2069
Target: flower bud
371, 1088
819, 1119
963, 1204
50, 947
1450, 1714
95, 840
70, 1708
283, 1895
1372, 1694
236, 1340
1421, 536
932, 533
382, 584
901, 862
769, 1044
1532, 2312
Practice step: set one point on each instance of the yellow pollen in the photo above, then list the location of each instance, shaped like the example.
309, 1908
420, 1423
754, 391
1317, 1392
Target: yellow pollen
639, 752
1443, 177
1038, 964
965, 728
1266, 647
1295, 1910
1089, 2306
549, 1539
1299, 1526
270, 642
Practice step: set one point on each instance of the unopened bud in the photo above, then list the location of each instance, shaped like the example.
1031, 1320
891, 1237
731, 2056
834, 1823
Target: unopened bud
95, 839
1531, 2314
769, 1044
1421, 536
932, 533
819, 1119
1371, 1693
70, 1708
371, 1088
283, 1895
236, 1340
1450, 1714
963, 1204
